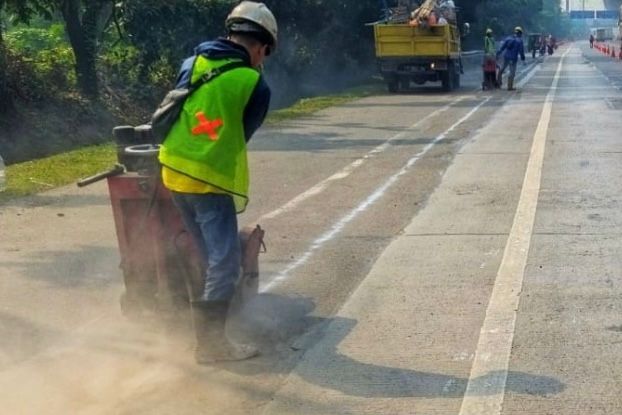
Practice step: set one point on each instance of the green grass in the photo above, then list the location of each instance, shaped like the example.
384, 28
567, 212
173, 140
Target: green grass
308, 106
43, 174
34, 176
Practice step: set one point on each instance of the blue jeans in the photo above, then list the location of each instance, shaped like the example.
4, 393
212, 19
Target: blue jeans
212, 221
512, 64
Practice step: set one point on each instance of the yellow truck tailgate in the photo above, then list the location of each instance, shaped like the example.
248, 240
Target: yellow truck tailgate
395, 40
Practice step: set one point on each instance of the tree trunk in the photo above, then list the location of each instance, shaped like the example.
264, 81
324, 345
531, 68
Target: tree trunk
6, 98
82, 29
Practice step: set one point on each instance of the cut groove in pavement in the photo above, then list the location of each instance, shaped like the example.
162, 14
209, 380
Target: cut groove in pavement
377, 194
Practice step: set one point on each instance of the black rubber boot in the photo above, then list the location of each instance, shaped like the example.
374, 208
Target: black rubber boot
209, 319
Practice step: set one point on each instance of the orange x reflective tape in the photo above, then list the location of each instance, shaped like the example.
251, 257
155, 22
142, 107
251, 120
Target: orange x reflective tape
207, 126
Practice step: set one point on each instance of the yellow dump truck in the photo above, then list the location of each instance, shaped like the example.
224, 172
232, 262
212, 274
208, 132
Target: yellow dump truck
418, 54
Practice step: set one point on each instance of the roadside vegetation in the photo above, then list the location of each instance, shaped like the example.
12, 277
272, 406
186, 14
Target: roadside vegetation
72, 69
33, 176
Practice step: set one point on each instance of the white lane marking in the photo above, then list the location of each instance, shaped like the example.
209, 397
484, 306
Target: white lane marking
573, 88
349, 169
377, 194
486, 388
528, 77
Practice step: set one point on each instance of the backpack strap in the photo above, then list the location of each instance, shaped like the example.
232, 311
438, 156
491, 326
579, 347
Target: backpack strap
215, 73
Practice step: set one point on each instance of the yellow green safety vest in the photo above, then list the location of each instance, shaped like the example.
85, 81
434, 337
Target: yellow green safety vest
207, 143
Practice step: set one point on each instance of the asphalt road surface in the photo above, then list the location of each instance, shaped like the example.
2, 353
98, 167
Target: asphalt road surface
428, 253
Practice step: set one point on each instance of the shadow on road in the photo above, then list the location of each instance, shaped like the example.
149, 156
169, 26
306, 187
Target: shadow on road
324, 365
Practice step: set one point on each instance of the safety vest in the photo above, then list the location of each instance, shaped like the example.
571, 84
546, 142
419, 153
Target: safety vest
208, 143
489, 46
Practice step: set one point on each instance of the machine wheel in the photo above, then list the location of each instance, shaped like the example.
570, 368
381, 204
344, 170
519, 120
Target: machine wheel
130, 308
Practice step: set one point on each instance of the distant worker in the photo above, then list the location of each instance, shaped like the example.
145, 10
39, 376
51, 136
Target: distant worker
592, 41
432, 20
490, 61
542, 45
204, 163
511, 49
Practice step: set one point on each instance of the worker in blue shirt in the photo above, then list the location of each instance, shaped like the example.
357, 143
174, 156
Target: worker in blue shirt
511, 49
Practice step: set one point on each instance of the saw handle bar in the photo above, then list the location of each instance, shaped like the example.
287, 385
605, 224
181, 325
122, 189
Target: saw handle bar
115, 171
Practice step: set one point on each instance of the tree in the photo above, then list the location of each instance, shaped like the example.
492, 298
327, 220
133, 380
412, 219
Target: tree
85, 21
6, 99
21, 11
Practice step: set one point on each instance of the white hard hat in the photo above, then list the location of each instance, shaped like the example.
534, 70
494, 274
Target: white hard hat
257, 14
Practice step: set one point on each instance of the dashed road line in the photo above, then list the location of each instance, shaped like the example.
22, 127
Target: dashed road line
349, 169
354, 213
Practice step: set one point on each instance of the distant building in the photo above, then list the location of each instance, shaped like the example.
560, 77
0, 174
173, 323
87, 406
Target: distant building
592, 9
580, 5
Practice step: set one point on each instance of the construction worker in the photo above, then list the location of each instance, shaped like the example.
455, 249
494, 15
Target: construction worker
490, 48
490, 61
511, 49
204, 159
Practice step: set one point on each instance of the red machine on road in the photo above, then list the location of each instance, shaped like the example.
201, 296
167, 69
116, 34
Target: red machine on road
162, 268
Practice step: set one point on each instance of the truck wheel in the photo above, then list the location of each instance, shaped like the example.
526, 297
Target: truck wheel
393, 85
456, 79
404, 84
447, 80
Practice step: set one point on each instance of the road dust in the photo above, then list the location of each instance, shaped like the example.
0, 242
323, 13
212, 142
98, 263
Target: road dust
116, 365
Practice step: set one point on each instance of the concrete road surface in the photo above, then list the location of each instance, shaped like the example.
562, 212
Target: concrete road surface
428, 253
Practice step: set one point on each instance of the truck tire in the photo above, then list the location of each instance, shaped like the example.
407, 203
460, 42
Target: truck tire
404, 84
456, 79
393, 85
447, 79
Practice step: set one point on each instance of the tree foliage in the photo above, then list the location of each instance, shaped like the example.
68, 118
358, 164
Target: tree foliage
539, 16
321, 42
137, 45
